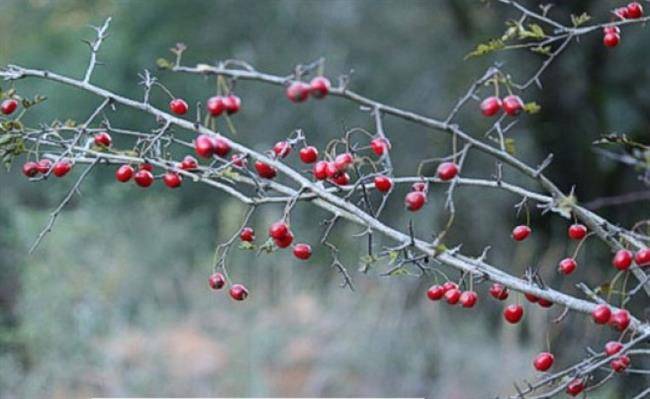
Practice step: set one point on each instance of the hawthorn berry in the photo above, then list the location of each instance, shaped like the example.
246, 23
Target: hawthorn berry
238, 292
103, 139
379, 146
282, 149
521, 232
601, 314
419, 186
238, 160
215, 105
298, 91
383, 183
447, 171
499, 292
620, 364
319, 86
491, 105
124, 173
567, 266
622, 259
613, 347
449, 285
543, 361
146, 166
415, 200
621, 12
468, 299
642, 257
178, 106
278, 230
436, 292
320, 170
8, 106
204, 146
232, 104
247, 234
620, 320
309, 154
61, 168
575, 387
611, 39
284, 241
545, 303
30, 169
612, 29
341, 179
221, 146
331, 170
143, 178
302, 251
634, 10
216, 281
577, 231
513, 313
44, 165
512, 105
172, 179
452, 296
265, 170
343, 161
189, 163
531, 298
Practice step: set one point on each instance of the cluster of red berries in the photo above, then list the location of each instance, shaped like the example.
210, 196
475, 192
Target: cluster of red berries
620, 363
8, 106
415, 200
217, 281
623, 258
60, 168
298, 91
511, 105
452, 294
612, 33
282, 237
215, 105
619, 319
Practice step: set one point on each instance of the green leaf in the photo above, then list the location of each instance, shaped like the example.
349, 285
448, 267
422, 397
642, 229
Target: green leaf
545, 50
510, 146
486, 48
246, 245
580, 19
162, 63
400, 271
532, 107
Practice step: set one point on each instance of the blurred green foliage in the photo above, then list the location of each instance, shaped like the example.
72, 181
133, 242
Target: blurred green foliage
115, 302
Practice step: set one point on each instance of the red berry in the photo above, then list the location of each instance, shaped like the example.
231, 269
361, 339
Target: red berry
612, 29
172, 179
44, 165
611, 39
613, 347
232, 104
619, 365
341, 179
531, 298
513, 313
239, 160
320, 170
302, 251
30, 169
634, 10
298, 91
247, 234
521, 232
415, 200
435, 292
642, 257
8, 106
491, 105
204, 146
215, 105
238, 292
124, 173
143, 178
103, 139
601, 314
575, 387
380, 146
544, 361
189, 163
319, 86
419, 186
468, 299
178, 106
577, 231
343, 161
331, 170
278, 230
449, 285
447, 171
217, 281
622, 259
512, 105
567, 266
265, 170
545, 303
453, 296
309, 154
282, 149
61, 168
383, 184
499, 292
621, 12
620, 320
221, 146
284, 241
146, 166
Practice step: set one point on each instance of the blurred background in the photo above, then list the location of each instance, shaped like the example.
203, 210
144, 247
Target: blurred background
115, 301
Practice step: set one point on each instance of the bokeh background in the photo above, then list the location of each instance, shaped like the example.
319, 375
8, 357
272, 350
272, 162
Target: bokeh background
115, 301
